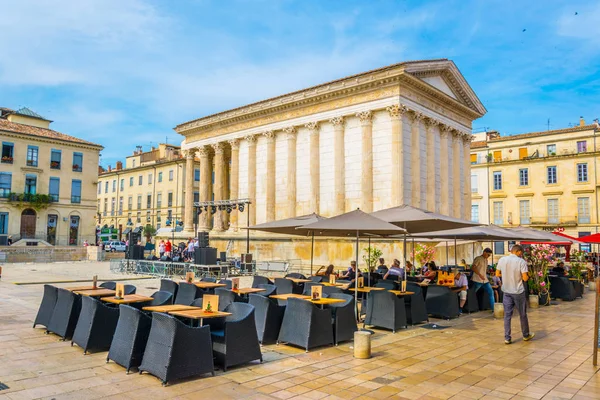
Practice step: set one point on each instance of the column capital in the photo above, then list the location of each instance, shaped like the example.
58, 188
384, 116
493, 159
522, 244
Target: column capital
444, 129
467, 137
235, 144
251, 139
429, 122
337, 121
190, 154
397, 110
270, 135
366, 117
218, 148
312, 126
456, 134
203, 152
290, 132
416, 116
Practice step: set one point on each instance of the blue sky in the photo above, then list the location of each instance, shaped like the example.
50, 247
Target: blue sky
124, 73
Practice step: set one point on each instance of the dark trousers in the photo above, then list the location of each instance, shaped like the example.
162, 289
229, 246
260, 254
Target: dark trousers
518, 301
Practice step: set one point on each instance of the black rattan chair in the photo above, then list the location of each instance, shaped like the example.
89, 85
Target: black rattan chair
388, 284
306, 325
176, 351
269, 290
96, 325
284, 286
260, 280
227, 282
267, 316
472, 304
129, 289
209, 279
578, 286
226, 297
329, 290
316, 279
109, 285
237, 343
441, 302
187, 293
308, 287
65, 314
416, 311
159, 298
295, 275
129, 341
167, 285
46, 306
344, 321
385, 310
560, 287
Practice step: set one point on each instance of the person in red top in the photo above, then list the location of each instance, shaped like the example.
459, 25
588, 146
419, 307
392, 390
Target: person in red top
168, 248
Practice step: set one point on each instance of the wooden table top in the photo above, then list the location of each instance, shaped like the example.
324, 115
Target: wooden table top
80, 288
198, 314
400, 293
100, 292
170, 307
366, 289
332, 284
127, 299
288, 295
208, 285
299, 280
248, 290
326, 300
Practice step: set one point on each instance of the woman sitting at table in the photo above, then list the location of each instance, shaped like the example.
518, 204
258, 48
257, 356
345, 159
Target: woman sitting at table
395, 272
432, 271
328, 271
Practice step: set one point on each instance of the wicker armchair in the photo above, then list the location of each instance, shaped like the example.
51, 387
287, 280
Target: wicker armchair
187, 293
129, 341
159, 298
129, 289
344, 321
226, 297
260, 280
441, 302
472, 304
237, 343
329, 290
388, 284
267, 316
308, 287
269, 290
209, 279
96, 325
561, 287
284, 286
46, 306
176, 351
167, 285
227, 282
385, 310
65, 314
305, 325
109, 285
416, 311
295, 275
316, 279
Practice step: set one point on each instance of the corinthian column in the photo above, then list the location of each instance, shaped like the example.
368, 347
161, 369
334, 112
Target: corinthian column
446, 170
339, 165
252, 178
234, 180
205, 182
431, 193
415, 129
315, 166
219, 184
396, 112
270, 175
467, 176
366, 124
457, 181
188, 216
290, 133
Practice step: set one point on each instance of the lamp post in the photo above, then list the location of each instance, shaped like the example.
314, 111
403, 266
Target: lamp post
127, 249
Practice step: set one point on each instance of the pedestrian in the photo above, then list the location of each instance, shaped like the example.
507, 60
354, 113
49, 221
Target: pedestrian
161, 248
480, 279
168, 248
514, 272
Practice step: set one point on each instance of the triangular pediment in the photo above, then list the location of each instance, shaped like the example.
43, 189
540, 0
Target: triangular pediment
438, 82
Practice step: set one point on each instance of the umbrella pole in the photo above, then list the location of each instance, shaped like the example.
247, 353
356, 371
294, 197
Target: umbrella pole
369, 265
356, 282
447, 256
413, 252
312, 251
455, 252
473, 251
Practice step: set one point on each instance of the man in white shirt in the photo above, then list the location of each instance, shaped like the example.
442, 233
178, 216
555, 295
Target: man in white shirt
514, 272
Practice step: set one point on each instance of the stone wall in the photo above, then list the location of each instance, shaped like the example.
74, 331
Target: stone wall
42, 254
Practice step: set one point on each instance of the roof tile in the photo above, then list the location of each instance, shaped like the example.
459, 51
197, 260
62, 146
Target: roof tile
8, 126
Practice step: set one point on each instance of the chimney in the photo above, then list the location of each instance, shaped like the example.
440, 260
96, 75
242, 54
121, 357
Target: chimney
100, 169
581, 121
119, 165
109, 168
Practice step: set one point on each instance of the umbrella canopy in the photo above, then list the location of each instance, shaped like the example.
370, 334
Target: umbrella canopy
417, 220
595, 238
534, 235
288, 226
486, 233
351, 224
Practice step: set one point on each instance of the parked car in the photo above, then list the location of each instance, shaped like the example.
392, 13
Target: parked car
115, 245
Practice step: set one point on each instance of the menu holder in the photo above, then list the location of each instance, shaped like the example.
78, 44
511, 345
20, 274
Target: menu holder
210, 303
445, 278
360, 282
235, 283
316, 292
332, 279
189, 277
95, 282
403, 286
119, 291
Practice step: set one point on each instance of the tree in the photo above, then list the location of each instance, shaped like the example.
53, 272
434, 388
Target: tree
149, 231
371, 258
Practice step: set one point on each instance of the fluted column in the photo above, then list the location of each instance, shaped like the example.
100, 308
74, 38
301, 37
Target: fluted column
339, 165
396, 112
366, 124
431, 159
290, 134
252, 178
415, 160
234, 180
219, 184
315, 166
205, 182
270, 135
456, 145
188, 216
446, 170
467, 176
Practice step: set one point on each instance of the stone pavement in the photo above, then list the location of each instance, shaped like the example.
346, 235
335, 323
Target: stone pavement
469, 360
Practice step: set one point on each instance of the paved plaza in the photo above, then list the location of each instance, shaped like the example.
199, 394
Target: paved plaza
468, 360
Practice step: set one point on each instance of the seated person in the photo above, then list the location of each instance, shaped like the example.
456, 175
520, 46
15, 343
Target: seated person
460, 280
328, 271
497, 286
381, 268
409, 266
559, 269
395, 271
350, 274
463, 263
432, 271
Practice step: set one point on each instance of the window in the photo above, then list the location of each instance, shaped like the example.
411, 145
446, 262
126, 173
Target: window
130, 203
149, 179
54, 188
131, 181
499, 247
497, 156
170, 174
158, 200
474, 184
122, 185
5, 184
99, 209
105, 206
133, 166
114, 185
196, 197
30, 184
158, 219
139, 216
583, 210
197, 175
585, 247
170, 199
55, 157
3, 223
213, 178
160, 176
76, 191
140, 179
8, 150
522, 153
139, 202
112, 206
582, 172
475, 213
497, 180
524, 212
77, 162
473, 158
551, 149
99, 187
524, 177
149, 201
121, 205
32, 156
552, 176
553, 211
582, 146
498, 213
148, 216
169, 214
106, 187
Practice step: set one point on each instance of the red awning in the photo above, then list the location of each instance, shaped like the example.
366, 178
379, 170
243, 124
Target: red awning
567, 236
595, 238
552, 243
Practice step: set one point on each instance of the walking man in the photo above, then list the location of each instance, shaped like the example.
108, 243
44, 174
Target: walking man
514, 272
480, 278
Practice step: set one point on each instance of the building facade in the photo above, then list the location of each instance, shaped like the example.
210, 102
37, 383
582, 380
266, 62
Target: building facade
47, 182
544, 180
391, 136
148, 191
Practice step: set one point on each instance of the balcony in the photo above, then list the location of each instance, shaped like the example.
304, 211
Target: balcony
554, 221
54, 164
37, 201
7, 160
76, 168
75, 199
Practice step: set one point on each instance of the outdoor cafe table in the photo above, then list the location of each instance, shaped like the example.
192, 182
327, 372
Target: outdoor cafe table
366, 289
322, 301
297, 280
198, 315
170, 307
207, 285
100, 292
247, 290
127, 299
401, 293
80, 288
332, 284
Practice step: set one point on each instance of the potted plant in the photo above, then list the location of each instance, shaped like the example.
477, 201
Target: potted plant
7, 159
538, 257
75, 167
370, 258
423, 253
54, 164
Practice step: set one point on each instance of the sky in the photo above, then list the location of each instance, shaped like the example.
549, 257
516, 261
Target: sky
125, 73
